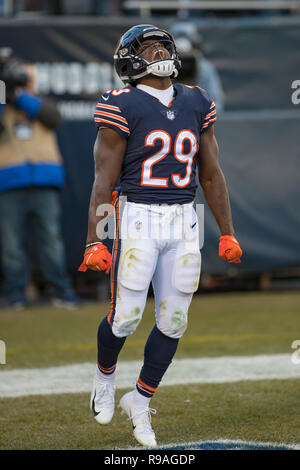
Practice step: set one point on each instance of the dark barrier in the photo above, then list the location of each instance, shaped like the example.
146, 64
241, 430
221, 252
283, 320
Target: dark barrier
260, 155
257, 59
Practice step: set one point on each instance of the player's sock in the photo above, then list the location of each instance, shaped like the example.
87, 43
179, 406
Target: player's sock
109, 347
158, 355
141, 400
106, 375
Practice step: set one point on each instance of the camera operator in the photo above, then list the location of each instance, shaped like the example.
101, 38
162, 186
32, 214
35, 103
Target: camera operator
31, 174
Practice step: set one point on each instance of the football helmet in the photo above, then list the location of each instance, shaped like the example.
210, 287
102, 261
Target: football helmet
129, 63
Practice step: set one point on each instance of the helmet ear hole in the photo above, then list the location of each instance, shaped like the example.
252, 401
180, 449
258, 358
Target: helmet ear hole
123, 68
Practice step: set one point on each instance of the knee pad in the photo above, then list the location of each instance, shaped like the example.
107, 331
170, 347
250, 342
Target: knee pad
136, 265
172, 319
125, 328
125, 323
129, 310
186, 270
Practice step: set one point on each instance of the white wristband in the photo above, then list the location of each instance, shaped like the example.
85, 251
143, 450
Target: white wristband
92, 244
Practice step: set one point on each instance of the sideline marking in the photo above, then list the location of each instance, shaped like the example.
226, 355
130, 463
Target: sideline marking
225, 444
78, 378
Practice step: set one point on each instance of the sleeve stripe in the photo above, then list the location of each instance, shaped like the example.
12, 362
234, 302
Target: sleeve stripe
125, 129
119, 118
210, 114
212, 105
213, 110
108, 106
209, 122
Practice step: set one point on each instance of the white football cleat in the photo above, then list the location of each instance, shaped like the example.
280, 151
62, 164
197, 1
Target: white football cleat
140, 417
102, 401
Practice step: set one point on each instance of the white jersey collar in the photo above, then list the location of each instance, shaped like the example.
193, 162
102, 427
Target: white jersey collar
164, 96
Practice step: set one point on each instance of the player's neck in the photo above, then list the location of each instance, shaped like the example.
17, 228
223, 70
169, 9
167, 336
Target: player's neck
161, 83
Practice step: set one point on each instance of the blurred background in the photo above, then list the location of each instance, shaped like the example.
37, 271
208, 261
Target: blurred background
244, 53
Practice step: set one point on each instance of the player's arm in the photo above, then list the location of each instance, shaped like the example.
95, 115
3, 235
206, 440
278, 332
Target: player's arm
214, 186
213, 182
109, 150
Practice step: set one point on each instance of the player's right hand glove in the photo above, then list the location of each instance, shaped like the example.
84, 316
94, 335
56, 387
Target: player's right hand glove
229, 249
97, 258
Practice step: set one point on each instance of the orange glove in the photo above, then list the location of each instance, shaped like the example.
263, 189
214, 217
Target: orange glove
97, 258
229, 249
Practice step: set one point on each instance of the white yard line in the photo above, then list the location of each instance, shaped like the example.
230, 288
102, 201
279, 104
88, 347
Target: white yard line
78, 377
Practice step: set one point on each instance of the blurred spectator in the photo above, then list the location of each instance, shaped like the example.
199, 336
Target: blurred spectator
196, 68
31, 173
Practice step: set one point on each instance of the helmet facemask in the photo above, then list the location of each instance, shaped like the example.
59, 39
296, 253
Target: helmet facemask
162, 66
139, 66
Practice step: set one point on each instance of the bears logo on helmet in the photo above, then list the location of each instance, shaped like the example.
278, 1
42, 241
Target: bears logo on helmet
129, 63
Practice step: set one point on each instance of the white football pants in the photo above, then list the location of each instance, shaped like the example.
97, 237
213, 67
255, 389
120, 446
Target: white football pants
158, 243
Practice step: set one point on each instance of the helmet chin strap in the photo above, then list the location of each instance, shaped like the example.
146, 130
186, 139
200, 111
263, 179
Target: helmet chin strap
163, 68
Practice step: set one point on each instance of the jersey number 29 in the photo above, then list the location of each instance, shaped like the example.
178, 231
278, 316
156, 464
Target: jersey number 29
187, 158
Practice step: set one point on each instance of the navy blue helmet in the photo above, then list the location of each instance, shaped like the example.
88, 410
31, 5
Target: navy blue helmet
128, 61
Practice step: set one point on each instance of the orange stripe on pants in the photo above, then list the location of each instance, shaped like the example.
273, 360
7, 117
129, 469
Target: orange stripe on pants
114, 260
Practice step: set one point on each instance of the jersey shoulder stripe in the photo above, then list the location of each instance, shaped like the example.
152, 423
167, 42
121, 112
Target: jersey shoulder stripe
111, 115
107, 106
209, 123
119, 126
210, 114
210, 117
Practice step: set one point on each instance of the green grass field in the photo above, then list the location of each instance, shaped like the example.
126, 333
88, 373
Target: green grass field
235, 324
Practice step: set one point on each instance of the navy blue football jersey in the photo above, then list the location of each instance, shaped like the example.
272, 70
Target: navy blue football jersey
159, 165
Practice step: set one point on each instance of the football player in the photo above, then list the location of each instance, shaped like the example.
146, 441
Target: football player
151, 135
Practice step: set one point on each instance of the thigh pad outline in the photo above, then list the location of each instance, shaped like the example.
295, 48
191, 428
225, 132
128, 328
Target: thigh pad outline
136, 265
186, 270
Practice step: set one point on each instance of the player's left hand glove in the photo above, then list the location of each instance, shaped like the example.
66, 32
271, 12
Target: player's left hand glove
229, 249
97, 258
